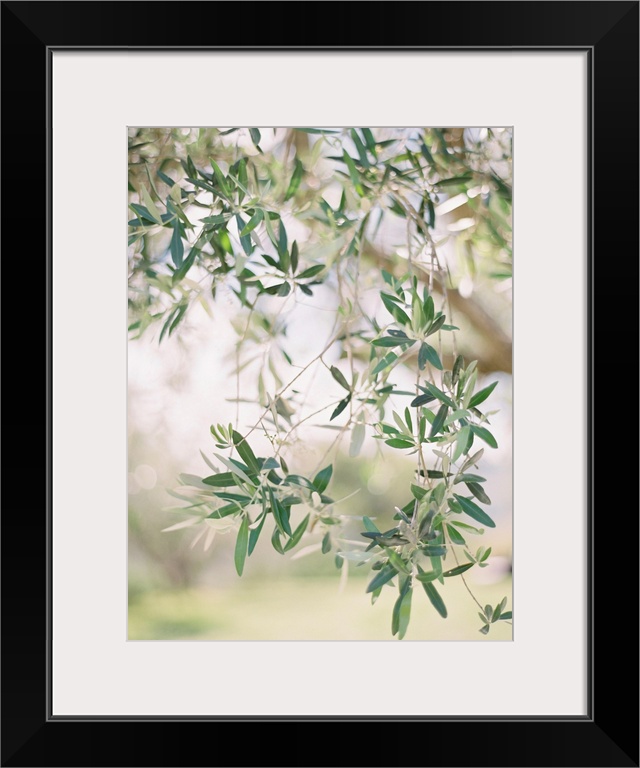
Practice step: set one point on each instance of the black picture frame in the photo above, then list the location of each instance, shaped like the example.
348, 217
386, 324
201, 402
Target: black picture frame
608, 735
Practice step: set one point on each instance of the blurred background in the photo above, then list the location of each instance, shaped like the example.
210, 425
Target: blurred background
180, 589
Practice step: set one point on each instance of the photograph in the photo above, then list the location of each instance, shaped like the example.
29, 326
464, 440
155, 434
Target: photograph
308, 410
319, 401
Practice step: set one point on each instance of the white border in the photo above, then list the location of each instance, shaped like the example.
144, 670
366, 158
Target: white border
95, 96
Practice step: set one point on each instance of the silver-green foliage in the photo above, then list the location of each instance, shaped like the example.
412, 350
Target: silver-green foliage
241, 241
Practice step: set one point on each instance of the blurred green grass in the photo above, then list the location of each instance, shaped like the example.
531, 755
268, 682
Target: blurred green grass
311, 608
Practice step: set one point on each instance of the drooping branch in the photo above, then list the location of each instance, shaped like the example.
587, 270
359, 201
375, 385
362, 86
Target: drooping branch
495, 352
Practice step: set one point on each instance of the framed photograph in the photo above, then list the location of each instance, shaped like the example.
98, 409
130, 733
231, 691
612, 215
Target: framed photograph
304, 347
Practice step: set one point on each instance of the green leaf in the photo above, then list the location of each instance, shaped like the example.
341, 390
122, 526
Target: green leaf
427, 576
469, 386
455, 536
176, 194
280, 289
484, 555
436, 601
428, 310
469, 478
392, 341
225, 241
434, 550
242, 498
436, 567
311, 271
397, 562
482, 395
255, 136
381, 578
455, 181
245, 240
462, 440
339, 377
421, 400
404, 612
438, 394
437, 324
465, 527
431, 222
417, 322
245, 452
253, 222
222, 480
438, 492
243, 180
485, 630
398, 314
461, 413
353, 173
439, 420
275, 541
176, 247
294, 257
228, 509
362, 152
241, 545
426, 154
279, 514
285, 513
369, 139
428, 354
297, 535
474, 511
370, 525
485, 435
458, 570
404, 585
340, 407
270, 233
151, 206
191, 169
436, 473
186, 265
167, 179
233, 466
395, 616
478, 492
396, 442
321, 480
296, 178
422, 356
301, 481
457, 367
506, 616
385, 362
326, 543
220, 180
254, 533
144, 217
